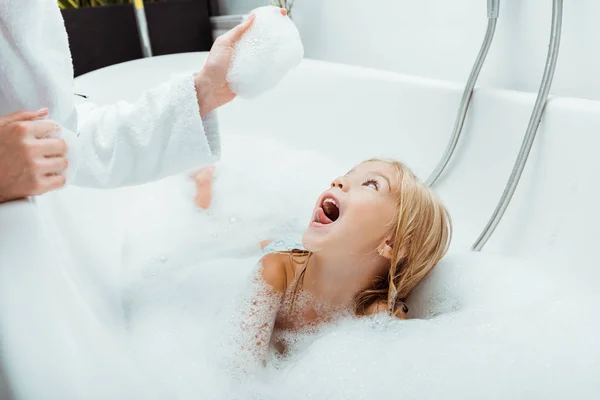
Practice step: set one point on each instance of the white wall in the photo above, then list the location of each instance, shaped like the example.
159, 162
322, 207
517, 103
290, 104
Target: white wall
227, 7
441, 38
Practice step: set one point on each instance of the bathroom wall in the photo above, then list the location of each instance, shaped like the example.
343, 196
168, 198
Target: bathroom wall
441, 38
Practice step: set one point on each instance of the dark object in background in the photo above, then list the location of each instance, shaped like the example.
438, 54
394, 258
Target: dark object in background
103, 36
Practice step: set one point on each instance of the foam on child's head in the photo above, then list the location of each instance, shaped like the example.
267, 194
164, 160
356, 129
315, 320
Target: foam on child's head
265, 53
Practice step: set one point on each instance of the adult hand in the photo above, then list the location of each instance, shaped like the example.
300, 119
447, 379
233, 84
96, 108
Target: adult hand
30, 160
211, 83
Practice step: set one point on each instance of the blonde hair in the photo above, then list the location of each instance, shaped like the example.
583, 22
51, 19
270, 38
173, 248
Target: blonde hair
421, 232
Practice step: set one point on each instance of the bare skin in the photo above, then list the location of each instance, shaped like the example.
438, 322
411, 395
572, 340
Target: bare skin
30, 160
283, 274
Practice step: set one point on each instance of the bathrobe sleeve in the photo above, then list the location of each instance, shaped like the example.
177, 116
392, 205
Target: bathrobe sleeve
159, 135
116, 145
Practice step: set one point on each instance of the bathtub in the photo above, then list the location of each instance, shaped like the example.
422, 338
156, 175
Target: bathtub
352, 114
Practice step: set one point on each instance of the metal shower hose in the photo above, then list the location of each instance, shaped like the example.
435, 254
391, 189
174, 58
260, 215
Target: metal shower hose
534, 122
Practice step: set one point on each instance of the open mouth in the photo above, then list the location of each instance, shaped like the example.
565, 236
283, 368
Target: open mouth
328, 212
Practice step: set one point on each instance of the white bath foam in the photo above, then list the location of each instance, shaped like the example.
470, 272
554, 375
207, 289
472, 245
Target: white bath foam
261, 194
544, 351
496, 327
545, 348
265, 54
177, 326
502, 329
52, 315
182, 264
480, 282
493, 329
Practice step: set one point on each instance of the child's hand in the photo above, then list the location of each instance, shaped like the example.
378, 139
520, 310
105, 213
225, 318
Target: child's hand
204, 180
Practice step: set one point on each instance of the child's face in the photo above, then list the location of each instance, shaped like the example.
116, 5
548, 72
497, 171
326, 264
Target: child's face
356, 214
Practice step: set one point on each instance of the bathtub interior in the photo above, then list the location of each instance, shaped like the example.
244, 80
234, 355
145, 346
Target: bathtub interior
361, 113
492, 307
352, 113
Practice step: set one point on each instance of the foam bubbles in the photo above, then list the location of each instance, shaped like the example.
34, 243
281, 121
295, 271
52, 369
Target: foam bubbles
491, 327
265, 54
260, 195
470, 282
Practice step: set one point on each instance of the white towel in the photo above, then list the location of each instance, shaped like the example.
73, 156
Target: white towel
122, 144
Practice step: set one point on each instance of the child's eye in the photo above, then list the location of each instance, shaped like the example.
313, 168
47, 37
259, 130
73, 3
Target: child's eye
373, 183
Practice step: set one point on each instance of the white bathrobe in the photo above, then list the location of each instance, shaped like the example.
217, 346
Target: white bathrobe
122, 144
56, 300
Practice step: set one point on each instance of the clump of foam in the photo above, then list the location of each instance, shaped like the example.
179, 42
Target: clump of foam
265, 54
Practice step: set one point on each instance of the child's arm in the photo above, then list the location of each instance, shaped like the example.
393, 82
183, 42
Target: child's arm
258, 321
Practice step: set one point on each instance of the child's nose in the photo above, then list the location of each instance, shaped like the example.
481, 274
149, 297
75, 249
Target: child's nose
341, 183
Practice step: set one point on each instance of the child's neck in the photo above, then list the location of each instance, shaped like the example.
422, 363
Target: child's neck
335, 279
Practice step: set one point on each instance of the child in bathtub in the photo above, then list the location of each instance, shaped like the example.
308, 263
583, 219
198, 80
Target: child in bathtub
374, 235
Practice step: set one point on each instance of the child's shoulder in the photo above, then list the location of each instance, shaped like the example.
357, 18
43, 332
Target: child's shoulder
278, 268
273, 268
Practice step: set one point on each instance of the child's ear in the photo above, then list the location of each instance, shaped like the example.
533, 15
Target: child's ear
386, 250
